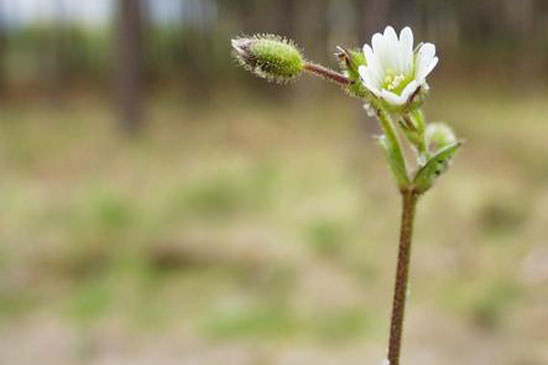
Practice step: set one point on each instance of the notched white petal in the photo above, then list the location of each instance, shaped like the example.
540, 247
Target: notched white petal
430, 67
390, 34
377, 42
406, 39
372, 63
427, 50
424, 68
368, 53
392, 98
406, 44
426, 61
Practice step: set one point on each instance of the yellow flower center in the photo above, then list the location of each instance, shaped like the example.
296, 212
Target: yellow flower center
393, 81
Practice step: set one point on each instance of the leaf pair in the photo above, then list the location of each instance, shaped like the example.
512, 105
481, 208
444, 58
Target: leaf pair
427, 175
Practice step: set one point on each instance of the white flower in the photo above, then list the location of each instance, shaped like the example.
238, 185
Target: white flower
394, 71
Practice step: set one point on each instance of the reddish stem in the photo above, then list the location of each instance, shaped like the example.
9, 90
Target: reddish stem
327, 74
402, 272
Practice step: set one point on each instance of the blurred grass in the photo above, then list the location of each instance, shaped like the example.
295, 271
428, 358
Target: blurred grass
270, 221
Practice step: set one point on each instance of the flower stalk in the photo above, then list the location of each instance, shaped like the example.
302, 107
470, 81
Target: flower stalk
327, 74
392, 146
409, 204
390, 78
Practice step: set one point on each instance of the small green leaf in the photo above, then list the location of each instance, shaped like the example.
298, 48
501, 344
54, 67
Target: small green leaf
435, 166
395, 160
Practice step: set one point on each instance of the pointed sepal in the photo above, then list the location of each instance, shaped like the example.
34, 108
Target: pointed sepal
349, 62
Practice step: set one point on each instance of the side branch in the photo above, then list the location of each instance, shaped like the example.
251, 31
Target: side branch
327, 74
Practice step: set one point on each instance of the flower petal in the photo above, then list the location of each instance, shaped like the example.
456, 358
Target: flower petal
406, 44
392, 98
368, 53
392, 60
377, 42
427, 50
382, 50
406, 39
373, 65
409, 90
390, 34
429, 68
425, 61
362, 70
391, 57
368, 81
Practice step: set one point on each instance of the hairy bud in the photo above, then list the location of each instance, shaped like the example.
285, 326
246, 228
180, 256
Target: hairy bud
269, 56
439, 135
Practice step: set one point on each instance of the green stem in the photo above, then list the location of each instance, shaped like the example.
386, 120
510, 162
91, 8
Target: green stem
420, 122
418, 116
409, 199
387, 127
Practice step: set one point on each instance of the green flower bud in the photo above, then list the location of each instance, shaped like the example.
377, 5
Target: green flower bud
439, 135
269, 56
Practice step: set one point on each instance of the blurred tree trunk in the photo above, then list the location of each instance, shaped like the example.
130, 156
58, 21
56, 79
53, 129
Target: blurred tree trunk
247, 18
129, 64
57, 75
287, 10
529, 62
312, 35
3, 51
196, 53
371, 16
311, 27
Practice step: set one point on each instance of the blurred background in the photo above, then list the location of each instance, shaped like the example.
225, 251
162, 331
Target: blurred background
159, 205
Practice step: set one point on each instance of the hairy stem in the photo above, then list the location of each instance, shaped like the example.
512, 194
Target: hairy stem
409, 199
387, 126
326, 73
418, 118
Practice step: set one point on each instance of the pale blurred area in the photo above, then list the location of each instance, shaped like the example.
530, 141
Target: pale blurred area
159, 205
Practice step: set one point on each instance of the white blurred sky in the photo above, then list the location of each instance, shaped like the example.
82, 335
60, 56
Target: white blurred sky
95, 13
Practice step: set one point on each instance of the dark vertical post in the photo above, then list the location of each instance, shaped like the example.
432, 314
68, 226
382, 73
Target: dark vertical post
57, 74
371, 17
128, 46
3, 50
